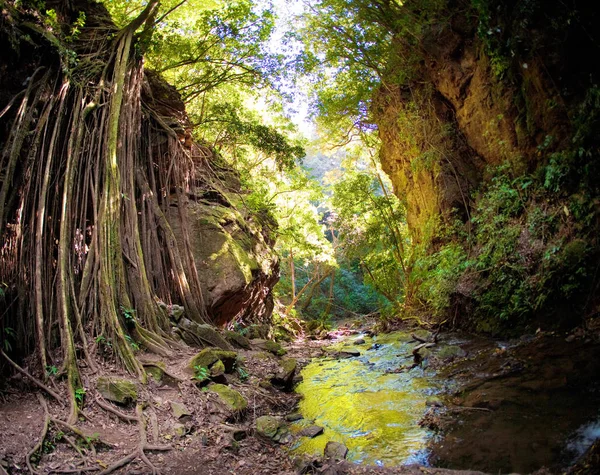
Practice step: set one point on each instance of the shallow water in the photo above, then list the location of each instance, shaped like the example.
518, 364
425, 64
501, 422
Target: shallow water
374, 413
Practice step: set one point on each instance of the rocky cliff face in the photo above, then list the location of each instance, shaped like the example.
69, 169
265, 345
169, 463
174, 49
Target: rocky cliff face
494, 85
232, 245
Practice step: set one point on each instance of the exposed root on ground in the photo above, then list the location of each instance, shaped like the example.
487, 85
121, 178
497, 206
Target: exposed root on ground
140, 450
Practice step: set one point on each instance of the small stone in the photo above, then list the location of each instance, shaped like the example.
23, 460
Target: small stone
120, 390
335, 450
295, 416
180, 430
311, 431
570, 339
348, 354
180, 411
434, 401
359, 341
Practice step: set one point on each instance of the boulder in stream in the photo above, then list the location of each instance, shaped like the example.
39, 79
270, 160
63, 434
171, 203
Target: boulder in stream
335, 450
272, 428
311, 431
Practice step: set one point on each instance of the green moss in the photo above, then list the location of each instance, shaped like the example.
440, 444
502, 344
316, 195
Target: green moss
118, 390
209, 356
232, 399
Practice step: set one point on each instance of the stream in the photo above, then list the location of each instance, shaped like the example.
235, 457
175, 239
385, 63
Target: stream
509, 407
361, 404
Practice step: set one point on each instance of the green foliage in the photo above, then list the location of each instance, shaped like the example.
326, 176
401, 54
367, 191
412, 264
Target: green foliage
201, 373
51, 370
79, 396
8, 336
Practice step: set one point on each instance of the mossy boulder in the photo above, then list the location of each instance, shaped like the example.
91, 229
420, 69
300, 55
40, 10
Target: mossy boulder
451, 352
284, 379
209, 356
270, 346
155, 370
119, 390
201, 335
230, 398
272, 428
237, 340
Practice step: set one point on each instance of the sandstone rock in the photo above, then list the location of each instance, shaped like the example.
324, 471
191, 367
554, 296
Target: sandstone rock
120, 390
311, 431
335, 451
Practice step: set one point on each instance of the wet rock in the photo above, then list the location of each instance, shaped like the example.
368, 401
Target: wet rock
230, 398
201, 335
335, 451
451, 351
272, 428
359, 341
374, 346
237, 340
209, 356
284, 379
434, 401
347, 354
311, 431
180, 412
120, 390
268, 345
295, 416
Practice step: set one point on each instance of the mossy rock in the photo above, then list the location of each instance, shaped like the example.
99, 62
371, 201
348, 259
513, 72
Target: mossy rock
209, 356
423, 334
273, 428
258, 331
120, 390
230, 398
451, 351
217, 369
284, 379
155, 370
237, 340
270, 346
201, 335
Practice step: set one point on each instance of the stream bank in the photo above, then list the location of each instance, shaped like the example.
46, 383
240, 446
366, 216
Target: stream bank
474, 403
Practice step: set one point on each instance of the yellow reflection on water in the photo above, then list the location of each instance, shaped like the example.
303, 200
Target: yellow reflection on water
374, 414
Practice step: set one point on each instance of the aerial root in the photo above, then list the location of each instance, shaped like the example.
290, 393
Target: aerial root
141, 449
